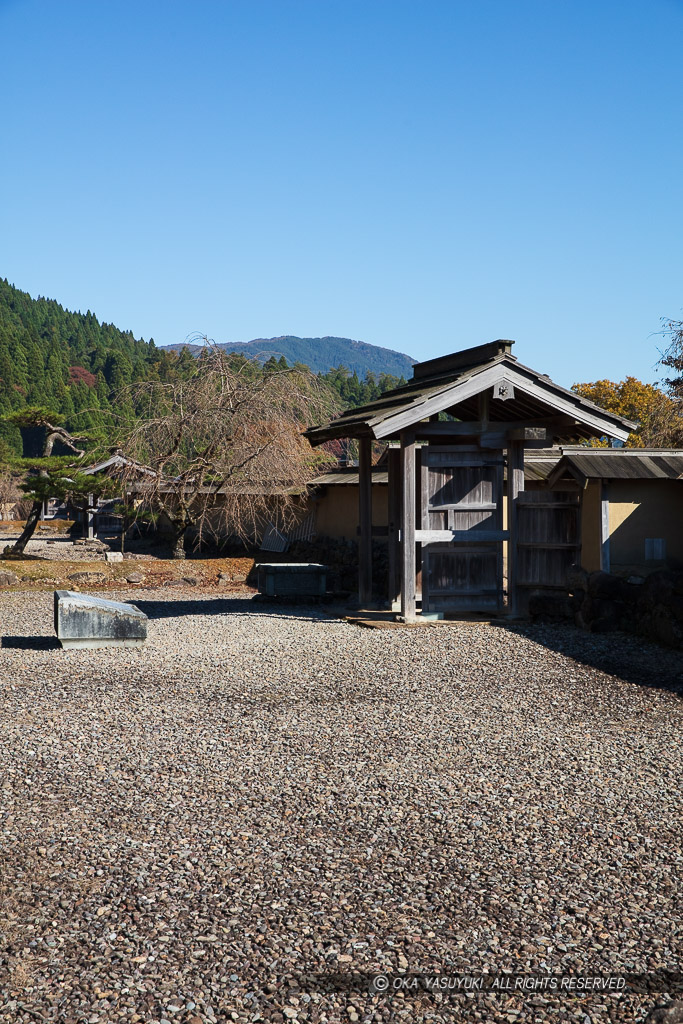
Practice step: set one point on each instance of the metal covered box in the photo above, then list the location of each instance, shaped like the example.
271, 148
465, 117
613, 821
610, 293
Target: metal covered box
292, 579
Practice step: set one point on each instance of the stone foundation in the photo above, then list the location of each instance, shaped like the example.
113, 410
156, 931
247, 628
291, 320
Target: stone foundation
601, 602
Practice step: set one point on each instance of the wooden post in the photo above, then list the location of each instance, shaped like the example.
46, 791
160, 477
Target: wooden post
90, 518
365, 521
394, 522
604, 526
515, 485
408, 525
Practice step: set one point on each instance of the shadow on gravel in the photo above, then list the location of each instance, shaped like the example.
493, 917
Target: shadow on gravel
631, 658
31, 643
228, 606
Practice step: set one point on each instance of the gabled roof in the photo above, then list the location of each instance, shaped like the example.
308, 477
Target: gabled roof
116, 463
454, 383
619, 464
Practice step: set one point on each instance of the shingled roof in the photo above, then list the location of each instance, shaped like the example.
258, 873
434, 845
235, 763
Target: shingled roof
619, 464
453, 384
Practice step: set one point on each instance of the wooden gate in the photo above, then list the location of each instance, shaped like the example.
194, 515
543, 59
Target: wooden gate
462, 529
548, 538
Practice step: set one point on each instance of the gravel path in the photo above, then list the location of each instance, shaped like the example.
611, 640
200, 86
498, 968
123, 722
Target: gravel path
190, 828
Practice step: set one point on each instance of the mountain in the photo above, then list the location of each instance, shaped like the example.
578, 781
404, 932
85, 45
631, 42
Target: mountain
80, 368
321, 354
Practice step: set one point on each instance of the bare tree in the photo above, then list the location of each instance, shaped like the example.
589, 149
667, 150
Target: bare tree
672, 357
223, 449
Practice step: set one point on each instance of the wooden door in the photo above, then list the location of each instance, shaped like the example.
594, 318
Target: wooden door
548, 538
462, 529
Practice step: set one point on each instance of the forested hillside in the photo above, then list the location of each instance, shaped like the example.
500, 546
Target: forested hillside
76, 366
356, 391
321, 354
68, 362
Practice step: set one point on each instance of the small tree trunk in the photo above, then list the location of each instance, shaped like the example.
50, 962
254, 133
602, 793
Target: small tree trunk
32, 521
179, 542
36, 512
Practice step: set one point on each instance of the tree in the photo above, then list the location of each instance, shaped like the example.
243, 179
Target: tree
49, 476
673, 357
659, 417
222, 449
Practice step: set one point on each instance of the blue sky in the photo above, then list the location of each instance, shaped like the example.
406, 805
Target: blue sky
424, 176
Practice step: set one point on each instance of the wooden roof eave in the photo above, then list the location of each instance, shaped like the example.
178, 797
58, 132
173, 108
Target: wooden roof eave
336, 429
558, 399
394, 413
609, 464
410, 396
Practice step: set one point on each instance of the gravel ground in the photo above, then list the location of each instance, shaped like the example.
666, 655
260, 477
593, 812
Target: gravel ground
190, 829
59, 548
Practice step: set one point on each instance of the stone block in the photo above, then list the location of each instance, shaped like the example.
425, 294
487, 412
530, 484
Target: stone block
292, 579
82, 621
577, 578
113, 556
603, 585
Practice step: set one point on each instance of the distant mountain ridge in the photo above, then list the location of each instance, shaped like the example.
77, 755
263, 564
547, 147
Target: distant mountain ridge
321, 354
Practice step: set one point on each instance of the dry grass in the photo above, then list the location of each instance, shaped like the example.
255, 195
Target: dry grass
41, 574
45, 525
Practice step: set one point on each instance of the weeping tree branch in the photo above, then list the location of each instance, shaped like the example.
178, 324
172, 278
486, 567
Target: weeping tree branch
223, 448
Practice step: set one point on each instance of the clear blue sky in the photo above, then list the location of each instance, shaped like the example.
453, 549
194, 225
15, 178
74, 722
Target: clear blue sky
421, 175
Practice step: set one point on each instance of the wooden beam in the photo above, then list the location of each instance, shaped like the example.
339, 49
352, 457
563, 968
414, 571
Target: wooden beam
515, 489
365, 521
472, 428
604, 526
394, 521
408, 525
463, 506
455, 536
483, 404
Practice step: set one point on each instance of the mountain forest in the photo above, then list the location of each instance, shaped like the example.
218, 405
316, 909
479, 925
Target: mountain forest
79, 368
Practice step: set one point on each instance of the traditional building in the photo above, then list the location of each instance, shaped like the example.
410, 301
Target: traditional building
461, 426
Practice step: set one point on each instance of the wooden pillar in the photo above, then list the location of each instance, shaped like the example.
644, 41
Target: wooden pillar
515, 485
365, 521
90, 518
408, 525
604, 526
394, 522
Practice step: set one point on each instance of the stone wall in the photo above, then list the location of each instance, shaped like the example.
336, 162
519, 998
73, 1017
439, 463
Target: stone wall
601, 602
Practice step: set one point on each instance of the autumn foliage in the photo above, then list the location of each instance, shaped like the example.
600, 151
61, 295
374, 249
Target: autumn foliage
79, 375
659, 417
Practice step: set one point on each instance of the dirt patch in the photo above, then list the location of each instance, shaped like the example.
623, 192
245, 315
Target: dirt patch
231, 575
